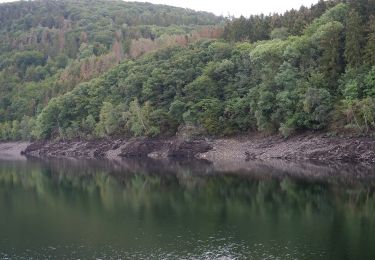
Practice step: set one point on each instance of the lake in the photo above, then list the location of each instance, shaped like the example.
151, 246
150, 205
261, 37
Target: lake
78, 209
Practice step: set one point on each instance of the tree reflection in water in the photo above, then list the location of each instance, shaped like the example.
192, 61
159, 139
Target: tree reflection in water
186, 209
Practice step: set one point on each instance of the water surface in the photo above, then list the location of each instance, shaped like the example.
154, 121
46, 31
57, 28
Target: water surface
183, 210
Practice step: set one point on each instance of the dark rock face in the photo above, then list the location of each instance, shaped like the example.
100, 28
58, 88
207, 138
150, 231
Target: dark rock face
101, 150
189, 149
141, 148
173, 148
119, 148
35, 149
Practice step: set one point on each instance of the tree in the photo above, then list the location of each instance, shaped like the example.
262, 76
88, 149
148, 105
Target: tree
331, 64
48, 122
88, 126
26, 126
237, 116
206, 113
177, 109
370, 46
162, 124
317, 105
5, 131
264, 110
111, 120
85, 51
354, 40
15, 130
138, 119
28, 58
370, 83
280, 33
200, 88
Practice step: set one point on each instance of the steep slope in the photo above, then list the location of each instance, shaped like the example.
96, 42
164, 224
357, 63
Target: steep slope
322, 78
307, 82
48, 47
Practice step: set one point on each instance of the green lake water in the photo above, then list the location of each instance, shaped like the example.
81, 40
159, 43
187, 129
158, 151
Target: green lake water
65, 209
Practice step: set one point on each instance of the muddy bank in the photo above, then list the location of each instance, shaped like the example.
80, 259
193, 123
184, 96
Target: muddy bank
218, 151
13, 150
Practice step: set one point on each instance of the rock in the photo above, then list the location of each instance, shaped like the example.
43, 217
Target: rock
189, 148
250, 156
141, 148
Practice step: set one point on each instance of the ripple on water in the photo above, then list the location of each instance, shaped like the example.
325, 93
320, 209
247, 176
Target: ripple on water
212, 248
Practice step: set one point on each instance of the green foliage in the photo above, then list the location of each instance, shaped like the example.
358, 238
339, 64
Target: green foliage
338, 13
313, 75
47, 48
177, 110
370, 46
329, 38
200, 88
264, 109
280, 26
354, 40
370, 83
139, 119
237, 116
206, 113
280, 33
28, 58
317, 105
359, 114
111, 120
88, 126
26, 124
48, 122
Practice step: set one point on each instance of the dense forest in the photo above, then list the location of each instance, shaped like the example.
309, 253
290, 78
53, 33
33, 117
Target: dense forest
88, 69
49, 47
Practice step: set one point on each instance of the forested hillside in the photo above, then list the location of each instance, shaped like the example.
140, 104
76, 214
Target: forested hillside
311, 69
48, 47
265, 27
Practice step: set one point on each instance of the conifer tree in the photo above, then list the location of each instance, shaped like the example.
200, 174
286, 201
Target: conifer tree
354, 40
331, 60
370, 46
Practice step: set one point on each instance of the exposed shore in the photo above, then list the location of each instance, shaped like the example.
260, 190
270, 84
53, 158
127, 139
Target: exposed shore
217, 151
13, 150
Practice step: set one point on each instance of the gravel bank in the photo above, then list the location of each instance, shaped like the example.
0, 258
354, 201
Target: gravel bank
219, 151
313, 148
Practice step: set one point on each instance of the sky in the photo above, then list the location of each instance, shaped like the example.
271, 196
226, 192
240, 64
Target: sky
232, 7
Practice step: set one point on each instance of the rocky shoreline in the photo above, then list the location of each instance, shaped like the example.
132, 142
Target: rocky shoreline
236, 150
121, 148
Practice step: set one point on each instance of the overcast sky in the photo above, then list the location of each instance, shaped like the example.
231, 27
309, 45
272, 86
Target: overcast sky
233, 7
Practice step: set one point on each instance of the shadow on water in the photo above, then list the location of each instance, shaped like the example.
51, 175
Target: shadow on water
185, 209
